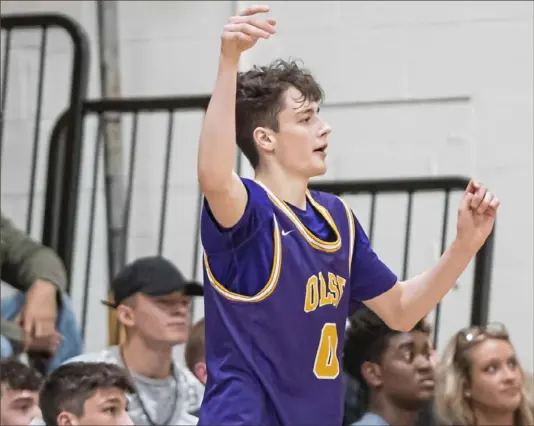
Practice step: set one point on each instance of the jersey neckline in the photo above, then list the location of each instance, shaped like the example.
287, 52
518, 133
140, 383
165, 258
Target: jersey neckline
312, 239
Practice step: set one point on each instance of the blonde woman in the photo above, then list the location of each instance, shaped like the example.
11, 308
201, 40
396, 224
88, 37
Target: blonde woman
480, 381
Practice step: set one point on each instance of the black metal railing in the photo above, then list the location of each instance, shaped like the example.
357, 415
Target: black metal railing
446, 186
134, 111
64, 154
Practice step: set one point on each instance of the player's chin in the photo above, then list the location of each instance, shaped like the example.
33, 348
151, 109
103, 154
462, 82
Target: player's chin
317, 169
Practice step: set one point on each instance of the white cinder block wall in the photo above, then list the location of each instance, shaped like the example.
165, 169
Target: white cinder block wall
457, 78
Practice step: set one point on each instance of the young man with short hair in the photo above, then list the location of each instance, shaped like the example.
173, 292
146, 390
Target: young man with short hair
153, 303
284, 266
86, 394
19, 393
394, 369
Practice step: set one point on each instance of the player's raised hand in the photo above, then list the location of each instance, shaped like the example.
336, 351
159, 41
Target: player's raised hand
476, 215
244, 30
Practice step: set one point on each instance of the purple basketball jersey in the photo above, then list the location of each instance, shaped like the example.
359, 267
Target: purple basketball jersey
275, 357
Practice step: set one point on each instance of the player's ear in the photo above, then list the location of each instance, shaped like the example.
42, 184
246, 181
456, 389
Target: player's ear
372, 374
264, 139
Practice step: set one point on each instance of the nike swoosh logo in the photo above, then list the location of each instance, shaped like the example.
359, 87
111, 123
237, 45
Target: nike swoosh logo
284, 233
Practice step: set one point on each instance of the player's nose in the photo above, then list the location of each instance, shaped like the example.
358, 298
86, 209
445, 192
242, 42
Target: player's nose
326, 129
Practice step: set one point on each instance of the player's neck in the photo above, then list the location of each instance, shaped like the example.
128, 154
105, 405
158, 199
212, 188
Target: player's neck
290, 189
393, 415
153, 361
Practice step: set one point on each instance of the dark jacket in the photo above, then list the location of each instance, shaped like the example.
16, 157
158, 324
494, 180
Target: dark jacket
22, 262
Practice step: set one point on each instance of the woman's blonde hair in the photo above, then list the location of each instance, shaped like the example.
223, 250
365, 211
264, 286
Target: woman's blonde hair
453, 374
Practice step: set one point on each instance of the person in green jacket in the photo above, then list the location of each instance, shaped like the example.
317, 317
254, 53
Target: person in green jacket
38, 319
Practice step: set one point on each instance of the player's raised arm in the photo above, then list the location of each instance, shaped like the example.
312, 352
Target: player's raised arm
223, 189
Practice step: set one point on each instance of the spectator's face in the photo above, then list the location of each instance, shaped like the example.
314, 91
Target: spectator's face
106, 407
406, 371
496, 377
163, 319
18, 407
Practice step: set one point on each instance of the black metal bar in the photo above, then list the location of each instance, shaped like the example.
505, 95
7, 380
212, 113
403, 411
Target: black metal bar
54, 183
91, 229
444, 230
5, 74
372, 217
62, 194
146, 104
482, 284
168, 153
407, 236
37, 128
391, 185
129, 189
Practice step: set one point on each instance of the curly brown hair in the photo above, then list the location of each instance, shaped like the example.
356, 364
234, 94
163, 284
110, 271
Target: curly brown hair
259, 99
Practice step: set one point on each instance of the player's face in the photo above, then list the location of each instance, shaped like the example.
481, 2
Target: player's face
407, 372
163, 319
302, 139
496, 380
18, 407
106, 407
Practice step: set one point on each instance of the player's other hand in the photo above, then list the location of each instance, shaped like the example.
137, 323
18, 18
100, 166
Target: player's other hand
476, 215
244, 30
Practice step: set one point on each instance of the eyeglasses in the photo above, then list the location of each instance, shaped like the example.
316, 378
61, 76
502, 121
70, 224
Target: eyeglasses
476, 334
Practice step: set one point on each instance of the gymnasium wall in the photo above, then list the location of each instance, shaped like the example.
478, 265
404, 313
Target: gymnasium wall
414, 88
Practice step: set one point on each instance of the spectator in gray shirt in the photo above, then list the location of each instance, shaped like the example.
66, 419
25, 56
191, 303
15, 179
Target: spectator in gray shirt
153, 303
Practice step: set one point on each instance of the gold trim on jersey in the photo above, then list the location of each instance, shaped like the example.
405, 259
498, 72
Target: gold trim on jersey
271, 283
314, 241
352, 231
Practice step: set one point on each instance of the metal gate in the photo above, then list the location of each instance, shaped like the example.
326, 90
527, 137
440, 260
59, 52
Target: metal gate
445, 186
133, 109
131, 113
63, 159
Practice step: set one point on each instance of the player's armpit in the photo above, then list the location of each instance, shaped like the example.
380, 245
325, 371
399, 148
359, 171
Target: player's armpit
227, 204
388, 307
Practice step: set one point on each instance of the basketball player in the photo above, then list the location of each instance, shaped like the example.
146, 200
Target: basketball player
284, 266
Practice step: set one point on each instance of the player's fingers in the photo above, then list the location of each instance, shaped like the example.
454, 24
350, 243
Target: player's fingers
252, 10
472, 186
466, 201
484, 204
495, 203
478, 197
246, 29
268, 25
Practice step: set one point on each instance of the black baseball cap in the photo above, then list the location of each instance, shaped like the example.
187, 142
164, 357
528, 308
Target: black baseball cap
153, 276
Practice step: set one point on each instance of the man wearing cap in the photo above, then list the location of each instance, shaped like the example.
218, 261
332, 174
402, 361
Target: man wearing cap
153, 303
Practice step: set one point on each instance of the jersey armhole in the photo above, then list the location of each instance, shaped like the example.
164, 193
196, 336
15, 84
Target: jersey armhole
271, 283
217, 239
